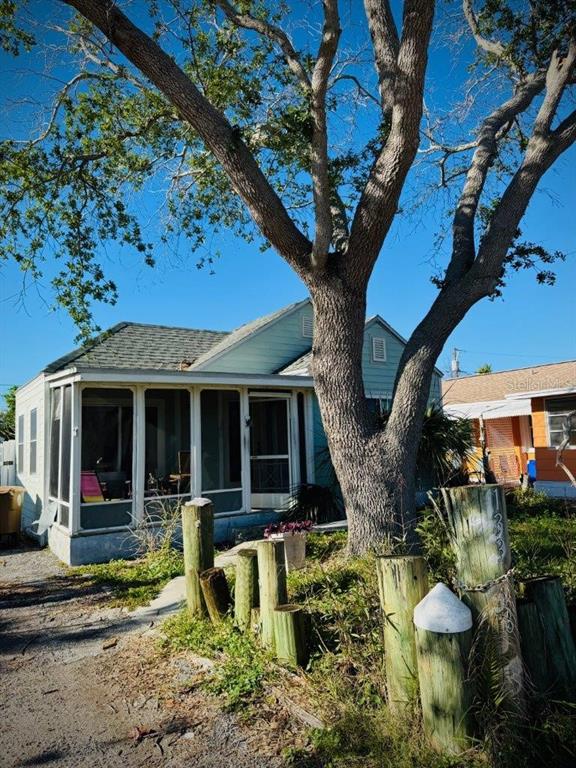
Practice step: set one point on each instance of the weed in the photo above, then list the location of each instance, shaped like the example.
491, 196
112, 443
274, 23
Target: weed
136, 582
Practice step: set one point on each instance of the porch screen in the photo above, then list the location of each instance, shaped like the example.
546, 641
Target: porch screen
221, 449
60, 444
106, 457
167, 443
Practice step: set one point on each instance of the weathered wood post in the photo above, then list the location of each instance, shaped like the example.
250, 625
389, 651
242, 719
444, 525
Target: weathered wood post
547, 595
198, 542
272, 585
291, 635
215, 593
532, 643
246, 596
443, 642
479, 532
402, 583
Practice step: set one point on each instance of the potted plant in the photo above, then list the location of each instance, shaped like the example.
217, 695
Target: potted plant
294, 536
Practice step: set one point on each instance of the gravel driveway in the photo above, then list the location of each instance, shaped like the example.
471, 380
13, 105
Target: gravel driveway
82, 687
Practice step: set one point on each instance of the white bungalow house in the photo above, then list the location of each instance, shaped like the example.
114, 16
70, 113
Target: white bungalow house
149, 414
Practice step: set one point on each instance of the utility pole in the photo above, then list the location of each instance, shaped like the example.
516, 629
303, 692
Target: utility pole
455, 365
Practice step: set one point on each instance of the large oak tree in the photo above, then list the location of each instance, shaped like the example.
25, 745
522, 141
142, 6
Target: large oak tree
242, 108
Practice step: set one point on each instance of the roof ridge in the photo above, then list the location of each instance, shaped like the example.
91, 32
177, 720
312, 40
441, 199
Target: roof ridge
507, 370
173, 327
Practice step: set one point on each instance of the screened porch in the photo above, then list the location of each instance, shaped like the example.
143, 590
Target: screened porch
119, 453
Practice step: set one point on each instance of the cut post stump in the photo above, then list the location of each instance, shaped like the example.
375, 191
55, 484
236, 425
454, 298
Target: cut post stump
198, 543
272, 585
216, 593
534, 651
291, 635
402, 583
246, 595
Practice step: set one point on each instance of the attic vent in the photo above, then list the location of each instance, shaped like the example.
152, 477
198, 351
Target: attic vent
307, 326
378, 349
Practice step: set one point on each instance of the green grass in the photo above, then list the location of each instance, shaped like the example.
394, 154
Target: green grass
136, 582
242, 663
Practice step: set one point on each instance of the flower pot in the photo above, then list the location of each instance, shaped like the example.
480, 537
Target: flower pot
294, 549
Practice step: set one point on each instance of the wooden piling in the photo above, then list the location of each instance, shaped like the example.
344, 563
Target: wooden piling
534, 650
272, 585
198, 542
291, 635
216, 593
479, 532
443, 642
547, 595
402, 582
246, 596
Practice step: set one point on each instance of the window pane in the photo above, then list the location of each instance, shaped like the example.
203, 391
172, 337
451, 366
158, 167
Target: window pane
561, 405
20, 457
55, 416
167, 461
106, 456
220, 453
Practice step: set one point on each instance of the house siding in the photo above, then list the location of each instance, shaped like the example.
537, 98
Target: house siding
546, 468
32, 395
269, 349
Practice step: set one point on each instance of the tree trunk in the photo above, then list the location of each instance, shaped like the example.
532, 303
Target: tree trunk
375, 466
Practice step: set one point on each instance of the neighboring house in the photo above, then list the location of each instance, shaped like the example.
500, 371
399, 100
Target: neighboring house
519, 414
146, 415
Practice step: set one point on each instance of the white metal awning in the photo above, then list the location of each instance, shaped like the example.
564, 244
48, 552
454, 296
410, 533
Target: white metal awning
488, 409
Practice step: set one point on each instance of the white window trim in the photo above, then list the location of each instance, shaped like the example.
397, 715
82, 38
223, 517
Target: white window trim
376, 340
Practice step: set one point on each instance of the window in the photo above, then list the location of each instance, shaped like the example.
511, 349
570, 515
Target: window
307, 326
20, 457
33, 440
60, 439
557, 410
378, 349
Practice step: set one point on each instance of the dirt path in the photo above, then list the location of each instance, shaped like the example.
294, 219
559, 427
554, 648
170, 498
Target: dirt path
79, 687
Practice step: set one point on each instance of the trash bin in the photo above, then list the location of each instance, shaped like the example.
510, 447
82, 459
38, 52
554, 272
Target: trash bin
11, 499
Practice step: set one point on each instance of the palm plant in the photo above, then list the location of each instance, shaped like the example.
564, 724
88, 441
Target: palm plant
446, 446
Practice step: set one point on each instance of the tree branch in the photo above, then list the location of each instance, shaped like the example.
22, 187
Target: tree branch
379, 200
245, 175
386, 48
559, 74
271, 32
319, 149
490, 46
463, 245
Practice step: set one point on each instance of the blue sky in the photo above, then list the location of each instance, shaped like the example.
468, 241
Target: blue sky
530, 325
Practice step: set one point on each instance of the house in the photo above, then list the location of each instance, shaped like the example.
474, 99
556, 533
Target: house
148, 415
520, 416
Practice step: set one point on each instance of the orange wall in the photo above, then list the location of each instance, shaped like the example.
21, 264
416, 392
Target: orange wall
546, 468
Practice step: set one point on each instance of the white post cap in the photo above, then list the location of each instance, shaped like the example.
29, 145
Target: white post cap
441, 611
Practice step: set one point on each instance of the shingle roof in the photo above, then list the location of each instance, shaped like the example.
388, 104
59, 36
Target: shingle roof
495, 386
141, 346
299, 366
244, 331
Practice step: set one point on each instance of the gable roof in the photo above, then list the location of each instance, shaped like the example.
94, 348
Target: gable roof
141, 346
496, 386
243, 332
302, 365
